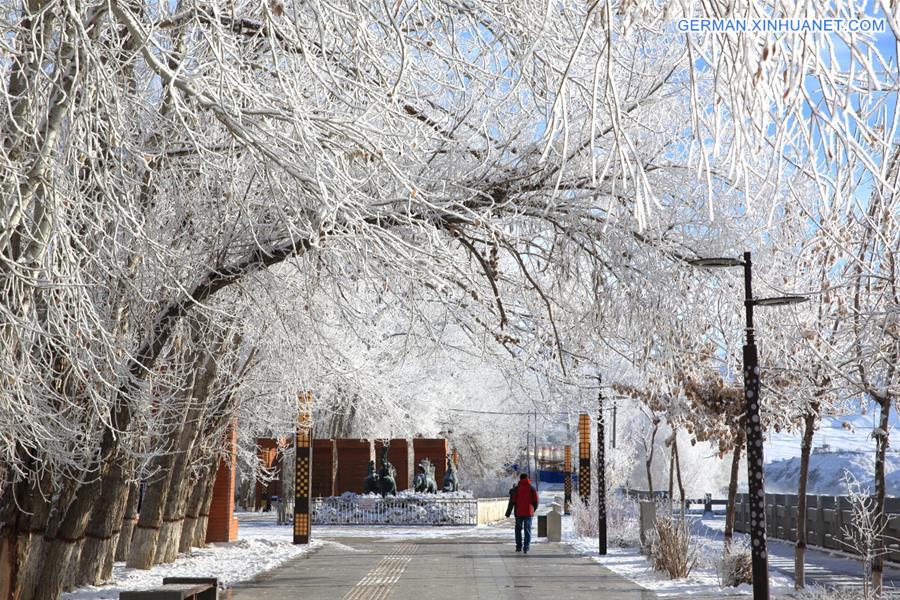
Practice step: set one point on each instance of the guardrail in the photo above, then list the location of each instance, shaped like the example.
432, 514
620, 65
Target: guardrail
826, 519
708, 502
394, 511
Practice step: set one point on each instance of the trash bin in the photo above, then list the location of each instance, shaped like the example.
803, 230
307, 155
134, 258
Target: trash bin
542, 525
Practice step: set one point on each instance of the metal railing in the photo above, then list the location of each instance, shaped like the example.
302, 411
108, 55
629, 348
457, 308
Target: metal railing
708, 503
394, 511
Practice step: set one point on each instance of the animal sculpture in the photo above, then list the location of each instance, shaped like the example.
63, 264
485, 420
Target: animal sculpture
370, 485
424, 481
450, 482
387, 482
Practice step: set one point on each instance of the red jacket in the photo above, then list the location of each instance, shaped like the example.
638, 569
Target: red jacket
525, 497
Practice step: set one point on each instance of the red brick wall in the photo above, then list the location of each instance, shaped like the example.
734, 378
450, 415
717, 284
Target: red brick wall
435, 450
353, 458
223, 526
322, 481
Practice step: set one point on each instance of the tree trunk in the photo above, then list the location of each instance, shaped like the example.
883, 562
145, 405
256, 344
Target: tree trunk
191, 516
123, 544
63, 550
146, 531
179, 491
671, 482
732, 492
26, 515
809, 424
678, 473
102, 534
203, 519
881, 446
648, 464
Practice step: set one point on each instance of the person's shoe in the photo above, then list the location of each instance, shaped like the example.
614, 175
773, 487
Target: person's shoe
518, 549
525, 550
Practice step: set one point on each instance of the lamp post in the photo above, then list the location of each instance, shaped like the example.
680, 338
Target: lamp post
601, 471
753, 423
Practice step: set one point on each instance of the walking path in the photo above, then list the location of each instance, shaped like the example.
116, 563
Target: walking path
440, 568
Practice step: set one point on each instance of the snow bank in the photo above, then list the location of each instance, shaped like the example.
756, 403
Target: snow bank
703, 580
261, 546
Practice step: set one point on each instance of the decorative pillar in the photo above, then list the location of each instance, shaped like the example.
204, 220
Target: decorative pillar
601, 472
222, 526
584, 457
567, 498
302, 469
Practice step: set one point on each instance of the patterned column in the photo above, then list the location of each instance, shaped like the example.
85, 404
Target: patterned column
584, 456
567, 498
303, 467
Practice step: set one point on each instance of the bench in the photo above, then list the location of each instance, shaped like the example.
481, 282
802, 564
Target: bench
178, 588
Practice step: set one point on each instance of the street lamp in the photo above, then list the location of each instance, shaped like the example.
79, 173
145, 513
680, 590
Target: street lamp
601, 471
755, 470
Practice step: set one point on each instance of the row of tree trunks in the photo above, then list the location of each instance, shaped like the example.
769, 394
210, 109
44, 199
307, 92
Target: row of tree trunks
102, 534
193, 532
176, 501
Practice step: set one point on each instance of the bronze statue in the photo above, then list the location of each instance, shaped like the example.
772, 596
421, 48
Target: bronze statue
370, 485
387, 483
450, 482
424, 481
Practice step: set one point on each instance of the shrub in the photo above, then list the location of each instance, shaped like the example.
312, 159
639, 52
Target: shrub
585, 520
735, 567
621, 518
671, 548
823, 593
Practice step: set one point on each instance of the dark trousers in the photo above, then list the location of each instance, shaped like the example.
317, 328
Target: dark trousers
523, 523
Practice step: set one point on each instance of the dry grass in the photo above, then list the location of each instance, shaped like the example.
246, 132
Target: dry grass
670, 547
621, 518
735, 567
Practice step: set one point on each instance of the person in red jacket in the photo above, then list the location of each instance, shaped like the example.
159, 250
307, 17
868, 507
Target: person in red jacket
523, 498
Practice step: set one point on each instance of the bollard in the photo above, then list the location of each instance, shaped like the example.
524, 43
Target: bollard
554, 523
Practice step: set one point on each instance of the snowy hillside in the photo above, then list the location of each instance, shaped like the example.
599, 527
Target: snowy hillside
826, 472
836, 448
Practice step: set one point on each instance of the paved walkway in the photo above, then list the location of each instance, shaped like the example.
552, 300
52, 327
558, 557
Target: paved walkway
445, 568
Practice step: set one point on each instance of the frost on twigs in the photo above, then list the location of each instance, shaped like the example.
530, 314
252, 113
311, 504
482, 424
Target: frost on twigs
671, 546
735, 566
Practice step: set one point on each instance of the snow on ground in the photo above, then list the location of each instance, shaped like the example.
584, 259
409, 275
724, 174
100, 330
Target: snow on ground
634, 566
412, 533
261, 545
